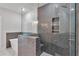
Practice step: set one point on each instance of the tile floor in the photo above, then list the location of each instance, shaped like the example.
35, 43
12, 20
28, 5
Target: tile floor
10, 52
7, 52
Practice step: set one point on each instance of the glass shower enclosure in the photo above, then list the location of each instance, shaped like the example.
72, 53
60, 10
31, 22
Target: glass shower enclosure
56, 26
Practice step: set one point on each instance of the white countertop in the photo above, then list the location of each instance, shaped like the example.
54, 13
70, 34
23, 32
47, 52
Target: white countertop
32, 37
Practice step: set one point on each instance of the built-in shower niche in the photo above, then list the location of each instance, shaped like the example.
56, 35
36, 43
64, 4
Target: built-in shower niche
55, 25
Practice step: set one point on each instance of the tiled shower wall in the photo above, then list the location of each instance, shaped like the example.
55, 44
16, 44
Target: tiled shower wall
54, 43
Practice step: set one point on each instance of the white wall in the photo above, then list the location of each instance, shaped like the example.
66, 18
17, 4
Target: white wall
11, 22
30, 21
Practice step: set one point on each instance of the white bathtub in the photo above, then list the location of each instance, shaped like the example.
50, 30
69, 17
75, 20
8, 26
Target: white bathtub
14, 44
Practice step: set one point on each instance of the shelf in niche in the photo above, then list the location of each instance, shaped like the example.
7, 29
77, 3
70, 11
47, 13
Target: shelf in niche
55, 28
55, 19
55, 25
55, 31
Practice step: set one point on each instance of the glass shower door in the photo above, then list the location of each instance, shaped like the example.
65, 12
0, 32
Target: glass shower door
67, 33
66, 14
72, 29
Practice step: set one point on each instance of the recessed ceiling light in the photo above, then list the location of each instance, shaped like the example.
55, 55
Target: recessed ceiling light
56, 5
23, 9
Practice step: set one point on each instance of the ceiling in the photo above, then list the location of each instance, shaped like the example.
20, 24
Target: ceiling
16, 7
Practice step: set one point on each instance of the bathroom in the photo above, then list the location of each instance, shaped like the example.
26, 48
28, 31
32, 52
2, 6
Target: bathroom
38, 29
